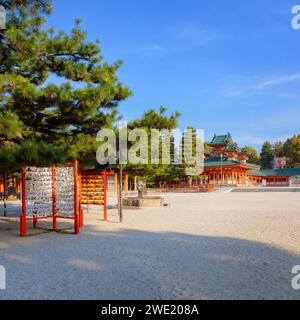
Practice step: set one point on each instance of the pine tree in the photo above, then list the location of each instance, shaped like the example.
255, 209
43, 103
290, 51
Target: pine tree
40, 121
291, 150
277, 149
267, 155
154, 174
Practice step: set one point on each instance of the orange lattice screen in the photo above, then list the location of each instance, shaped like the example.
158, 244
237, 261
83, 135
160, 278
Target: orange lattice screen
93, 189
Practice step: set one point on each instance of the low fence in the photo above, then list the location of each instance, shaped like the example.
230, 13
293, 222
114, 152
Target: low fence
295, 182
278, 184
186, 188
266, 189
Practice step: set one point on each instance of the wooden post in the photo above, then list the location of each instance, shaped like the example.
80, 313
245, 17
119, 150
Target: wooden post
105, 196
120, 193
23, 229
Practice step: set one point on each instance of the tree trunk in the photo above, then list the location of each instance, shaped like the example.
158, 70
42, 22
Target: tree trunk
4, 196
11, 193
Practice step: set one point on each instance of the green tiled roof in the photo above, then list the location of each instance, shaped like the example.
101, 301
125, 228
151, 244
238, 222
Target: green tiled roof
231, 147
221, 139
251, 165
213, 160
216, 162
278, 172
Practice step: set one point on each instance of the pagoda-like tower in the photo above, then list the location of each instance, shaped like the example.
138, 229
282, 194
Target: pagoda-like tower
227, 163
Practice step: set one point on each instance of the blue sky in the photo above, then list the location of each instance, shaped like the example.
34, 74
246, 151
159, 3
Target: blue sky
225, 65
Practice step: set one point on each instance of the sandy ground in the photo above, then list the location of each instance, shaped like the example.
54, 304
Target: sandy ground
204, 246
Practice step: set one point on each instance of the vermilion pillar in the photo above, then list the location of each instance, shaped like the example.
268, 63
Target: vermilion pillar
116, 183
76, 199
105, 196
23, 229
126, 183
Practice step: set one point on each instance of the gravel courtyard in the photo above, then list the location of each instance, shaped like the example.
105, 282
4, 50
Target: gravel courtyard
204, 246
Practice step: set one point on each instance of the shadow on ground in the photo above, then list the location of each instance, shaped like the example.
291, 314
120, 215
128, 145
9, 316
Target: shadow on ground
135, 264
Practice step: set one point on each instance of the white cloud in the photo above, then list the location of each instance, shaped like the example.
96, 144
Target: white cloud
177, 39
262, 85
153, 50
278, 80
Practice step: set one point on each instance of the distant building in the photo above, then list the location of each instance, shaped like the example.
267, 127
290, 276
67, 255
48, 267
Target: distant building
227, 165
295, 181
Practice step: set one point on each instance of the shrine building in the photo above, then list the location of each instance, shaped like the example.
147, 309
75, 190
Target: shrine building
227, 164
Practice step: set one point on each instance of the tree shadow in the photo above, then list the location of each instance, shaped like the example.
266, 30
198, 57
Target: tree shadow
134, 264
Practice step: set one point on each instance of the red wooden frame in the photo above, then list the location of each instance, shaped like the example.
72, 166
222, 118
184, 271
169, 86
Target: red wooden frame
78, 216
92, 202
